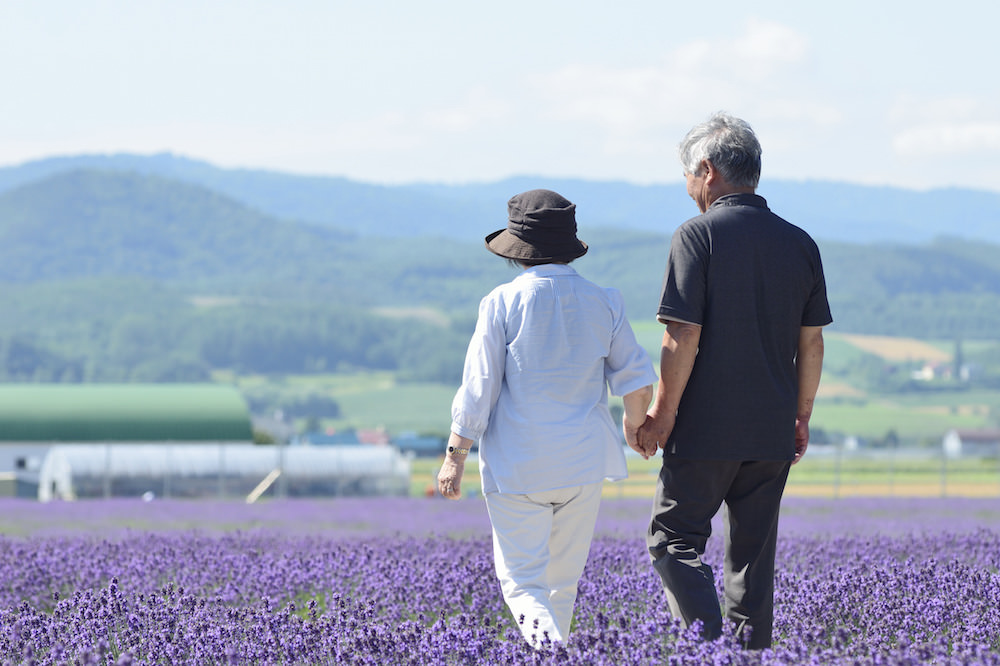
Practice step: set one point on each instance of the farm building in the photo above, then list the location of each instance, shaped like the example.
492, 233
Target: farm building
116, 412
181, 440
220, 469
972, 443
406, 442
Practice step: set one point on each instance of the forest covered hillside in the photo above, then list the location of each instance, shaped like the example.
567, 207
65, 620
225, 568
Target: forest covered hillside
122, 271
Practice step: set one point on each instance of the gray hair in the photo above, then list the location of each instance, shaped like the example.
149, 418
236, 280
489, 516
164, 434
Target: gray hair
729, 144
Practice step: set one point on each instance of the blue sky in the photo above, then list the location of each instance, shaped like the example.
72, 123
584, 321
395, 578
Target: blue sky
446, 91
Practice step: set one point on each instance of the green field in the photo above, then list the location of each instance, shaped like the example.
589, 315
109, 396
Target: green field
817, 475
843, 408
920, 422
366, 400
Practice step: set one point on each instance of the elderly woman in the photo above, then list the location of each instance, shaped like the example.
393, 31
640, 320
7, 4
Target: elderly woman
548, 347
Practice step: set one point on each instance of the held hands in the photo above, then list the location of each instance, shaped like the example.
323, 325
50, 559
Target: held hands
653, 434
640, 440
632, 437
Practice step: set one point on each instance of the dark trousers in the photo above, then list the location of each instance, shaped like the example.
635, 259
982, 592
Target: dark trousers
688, 494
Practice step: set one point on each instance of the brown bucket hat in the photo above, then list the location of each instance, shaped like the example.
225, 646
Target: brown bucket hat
541, 227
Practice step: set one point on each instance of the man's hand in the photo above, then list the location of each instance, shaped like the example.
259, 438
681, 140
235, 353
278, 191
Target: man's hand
801, 439
677, 356
809, 367
655, 431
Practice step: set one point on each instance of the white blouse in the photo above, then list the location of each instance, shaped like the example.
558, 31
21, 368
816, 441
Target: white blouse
547, 348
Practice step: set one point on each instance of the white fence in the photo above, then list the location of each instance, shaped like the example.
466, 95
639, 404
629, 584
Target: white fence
839, 470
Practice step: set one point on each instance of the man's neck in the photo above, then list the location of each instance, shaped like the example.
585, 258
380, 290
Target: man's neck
714, 195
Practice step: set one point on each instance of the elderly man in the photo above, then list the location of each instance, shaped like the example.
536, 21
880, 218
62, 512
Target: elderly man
744, 302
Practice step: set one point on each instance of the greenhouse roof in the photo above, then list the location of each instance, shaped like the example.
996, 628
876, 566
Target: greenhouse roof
122, 412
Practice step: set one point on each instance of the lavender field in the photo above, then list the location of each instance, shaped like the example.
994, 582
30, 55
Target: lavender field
410, 581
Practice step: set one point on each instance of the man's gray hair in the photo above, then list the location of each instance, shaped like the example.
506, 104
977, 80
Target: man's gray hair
729, 144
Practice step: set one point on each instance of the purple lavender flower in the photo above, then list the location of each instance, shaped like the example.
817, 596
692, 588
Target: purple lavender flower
887, 581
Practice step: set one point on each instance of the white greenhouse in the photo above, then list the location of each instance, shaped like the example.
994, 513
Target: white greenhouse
65, 441
220, 469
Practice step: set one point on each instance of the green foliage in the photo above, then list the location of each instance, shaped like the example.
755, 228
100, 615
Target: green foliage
921, 315
273, 339
291, 404
947, 289
22, 360
127, 276
984, 365
873, 419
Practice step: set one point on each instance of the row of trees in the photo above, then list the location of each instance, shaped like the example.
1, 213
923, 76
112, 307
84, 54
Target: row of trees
280, 340
303, 340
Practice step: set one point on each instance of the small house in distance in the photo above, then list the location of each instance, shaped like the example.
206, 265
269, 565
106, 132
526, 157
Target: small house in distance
421, 445
972, 443
409, 443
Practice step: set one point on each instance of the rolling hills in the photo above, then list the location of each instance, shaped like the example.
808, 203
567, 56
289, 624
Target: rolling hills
830, 211
164, 268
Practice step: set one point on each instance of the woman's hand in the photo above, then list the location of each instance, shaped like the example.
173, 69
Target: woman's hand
450, 477
632, 438
635, 417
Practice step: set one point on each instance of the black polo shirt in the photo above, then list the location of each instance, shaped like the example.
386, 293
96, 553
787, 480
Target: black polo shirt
751, 280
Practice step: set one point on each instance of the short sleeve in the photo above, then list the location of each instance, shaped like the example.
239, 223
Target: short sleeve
685, 282
627, 367
817, 310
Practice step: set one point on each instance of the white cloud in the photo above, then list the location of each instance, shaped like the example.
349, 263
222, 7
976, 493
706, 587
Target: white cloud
640, 109
765, 49
620, 100
691, 78
800, 110
479, 107
957, 138
910, 108
945, 126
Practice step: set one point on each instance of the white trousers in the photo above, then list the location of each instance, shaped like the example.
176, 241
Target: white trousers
540, 546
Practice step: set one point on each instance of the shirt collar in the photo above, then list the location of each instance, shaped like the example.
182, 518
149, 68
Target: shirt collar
739, 199
549, 270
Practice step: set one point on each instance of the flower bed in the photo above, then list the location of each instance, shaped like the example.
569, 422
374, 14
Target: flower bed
409, 581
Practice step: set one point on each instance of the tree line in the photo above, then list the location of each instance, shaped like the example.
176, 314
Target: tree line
189, 345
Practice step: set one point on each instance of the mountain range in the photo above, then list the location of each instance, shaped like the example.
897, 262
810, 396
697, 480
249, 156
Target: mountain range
136, 267
830, 211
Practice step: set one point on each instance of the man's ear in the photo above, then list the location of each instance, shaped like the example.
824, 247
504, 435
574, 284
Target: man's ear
711, 173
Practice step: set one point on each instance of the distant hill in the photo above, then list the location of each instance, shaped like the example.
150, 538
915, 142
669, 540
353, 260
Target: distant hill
129, 274
829, 211
84, 224
92, 223
325, 201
